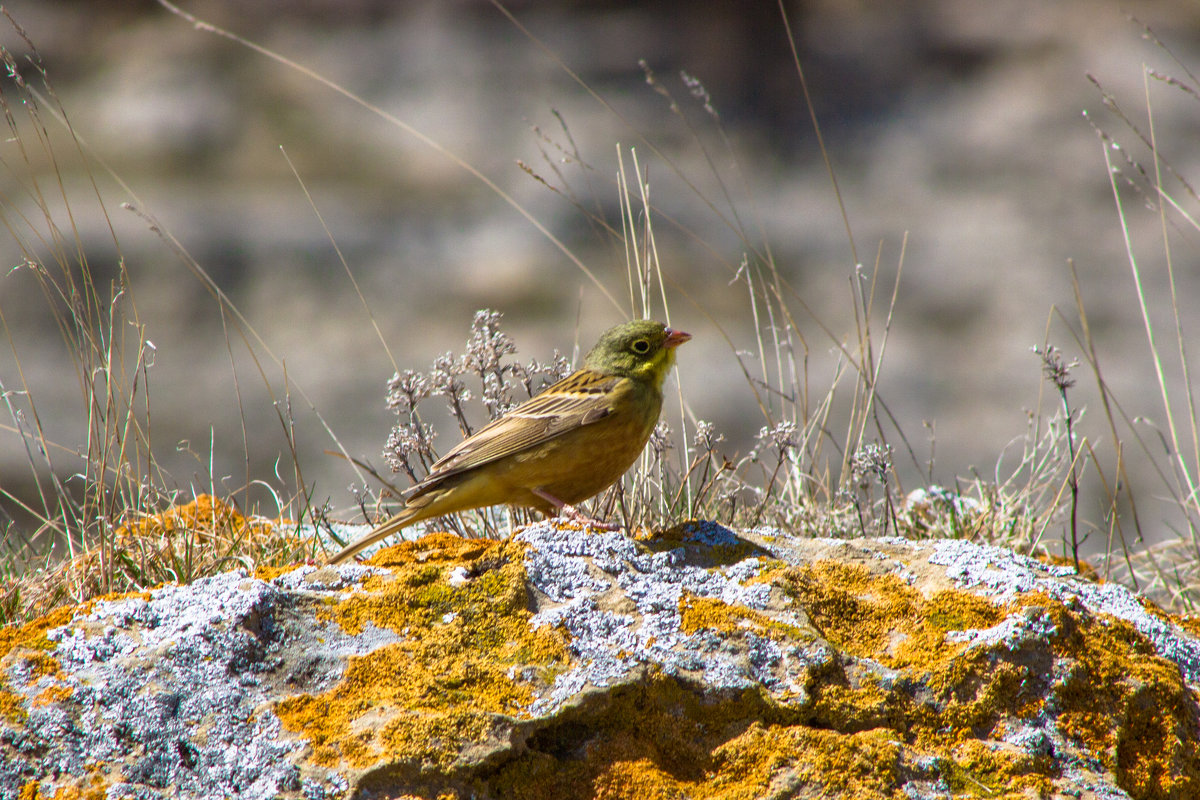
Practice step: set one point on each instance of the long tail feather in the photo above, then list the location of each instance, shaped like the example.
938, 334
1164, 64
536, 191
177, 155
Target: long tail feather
402, 520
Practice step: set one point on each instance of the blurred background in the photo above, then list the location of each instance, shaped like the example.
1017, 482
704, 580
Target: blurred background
960, 126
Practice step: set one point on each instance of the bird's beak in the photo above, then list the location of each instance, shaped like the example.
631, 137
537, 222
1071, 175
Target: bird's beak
675, 338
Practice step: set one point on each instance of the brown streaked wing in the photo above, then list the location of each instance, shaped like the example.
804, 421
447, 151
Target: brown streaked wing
577, 400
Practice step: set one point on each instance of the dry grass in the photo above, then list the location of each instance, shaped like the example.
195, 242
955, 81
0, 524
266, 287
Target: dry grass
94, 520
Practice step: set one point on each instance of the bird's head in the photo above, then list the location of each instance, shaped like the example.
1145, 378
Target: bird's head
642, 349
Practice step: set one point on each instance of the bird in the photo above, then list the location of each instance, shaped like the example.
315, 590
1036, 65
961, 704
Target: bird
560, 447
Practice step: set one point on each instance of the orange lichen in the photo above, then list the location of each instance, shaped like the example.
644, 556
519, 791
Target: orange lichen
39, 663
210, 535
450, 681
864, 765
56, 693
92, 787
714, 614
32, 635
1189, 622
11, 706
1128, 706
207, 516
265, 572
856, 611
437, 548
882, 618
28, 642
989, 769
1125, 705
655, 739
205, 531
449, 685
663, 740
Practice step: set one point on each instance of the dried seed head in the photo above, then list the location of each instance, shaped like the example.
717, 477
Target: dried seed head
781, 436
487, 345
871, 461
444, 379
405, 390
706, 437
1055, 367
660, 439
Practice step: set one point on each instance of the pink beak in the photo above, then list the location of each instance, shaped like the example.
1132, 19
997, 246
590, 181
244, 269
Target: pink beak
675, 338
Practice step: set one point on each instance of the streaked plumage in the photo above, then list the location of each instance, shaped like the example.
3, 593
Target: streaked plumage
559, 448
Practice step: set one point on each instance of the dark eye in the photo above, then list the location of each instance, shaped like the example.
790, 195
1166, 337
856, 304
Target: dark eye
641, 347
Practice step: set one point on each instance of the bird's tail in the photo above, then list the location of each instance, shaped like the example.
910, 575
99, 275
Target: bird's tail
406, 517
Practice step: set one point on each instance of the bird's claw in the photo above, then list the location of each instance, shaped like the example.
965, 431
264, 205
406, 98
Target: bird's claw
573, 514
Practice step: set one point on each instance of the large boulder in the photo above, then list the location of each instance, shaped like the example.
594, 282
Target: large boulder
697, 663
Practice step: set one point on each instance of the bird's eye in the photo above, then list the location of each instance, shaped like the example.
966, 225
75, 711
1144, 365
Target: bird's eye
641, 347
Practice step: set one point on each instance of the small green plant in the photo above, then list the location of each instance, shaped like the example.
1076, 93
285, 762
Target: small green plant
1058, 373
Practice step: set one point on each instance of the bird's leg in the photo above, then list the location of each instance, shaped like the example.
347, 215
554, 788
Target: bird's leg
573, 514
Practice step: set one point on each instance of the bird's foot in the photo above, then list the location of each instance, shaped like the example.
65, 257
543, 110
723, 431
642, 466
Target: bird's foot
573, 514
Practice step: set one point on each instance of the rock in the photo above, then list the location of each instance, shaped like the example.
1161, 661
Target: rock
699, 662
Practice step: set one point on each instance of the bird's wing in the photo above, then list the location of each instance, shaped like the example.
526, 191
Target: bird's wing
581, 398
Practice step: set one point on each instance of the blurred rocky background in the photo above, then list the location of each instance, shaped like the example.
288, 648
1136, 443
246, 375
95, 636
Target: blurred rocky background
959, 124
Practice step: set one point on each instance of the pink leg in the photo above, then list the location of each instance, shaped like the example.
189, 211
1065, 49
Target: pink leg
574, 514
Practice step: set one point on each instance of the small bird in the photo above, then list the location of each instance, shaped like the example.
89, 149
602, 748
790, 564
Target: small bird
558, 448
